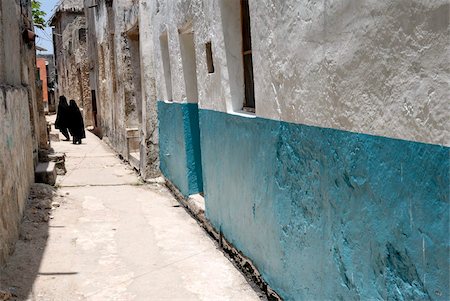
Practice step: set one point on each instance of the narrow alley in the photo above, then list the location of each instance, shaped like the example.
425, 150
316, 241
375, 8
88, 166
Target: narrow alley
115, 238
228, 150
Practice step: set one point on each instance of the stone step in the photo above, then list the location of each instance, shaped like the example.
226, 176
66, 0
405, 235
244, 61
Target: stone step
134, 159
45, 173
59, 159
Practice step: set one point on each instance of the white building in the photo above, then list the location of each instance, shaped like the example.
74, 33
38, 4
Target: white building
318, 133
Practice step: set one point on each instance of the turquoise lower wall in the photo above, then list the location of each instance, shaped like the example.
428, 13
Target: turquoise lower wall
327, 214
179, 146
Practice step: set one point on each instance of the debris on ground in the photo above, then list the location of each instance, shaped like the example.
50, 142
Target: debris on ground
15, 283
42, 201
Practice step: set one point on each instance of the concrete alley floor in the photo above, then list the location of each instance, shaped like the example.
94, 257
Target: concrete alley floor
113, 238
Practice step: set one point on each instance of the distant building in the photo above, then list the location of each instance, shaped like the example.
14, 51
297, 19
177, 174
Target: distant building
46, 68
70, 52
42, 64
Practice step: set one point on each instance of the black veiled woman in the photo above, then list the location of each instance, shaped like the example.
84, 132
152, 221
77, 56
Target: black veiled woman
76, 124
62, 117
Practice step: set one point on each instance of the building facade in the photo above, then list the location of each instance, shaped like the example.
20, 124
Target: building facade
122, 80
70, 52
316, 131
318, 134
46, 69
22, 121
42, 64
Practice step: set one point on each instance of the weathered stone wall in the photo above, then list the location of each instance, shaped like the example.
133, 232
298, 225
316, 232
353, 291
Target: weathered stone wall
149, 145
16, 163
74, 82
108, 67
122, 76
22, 123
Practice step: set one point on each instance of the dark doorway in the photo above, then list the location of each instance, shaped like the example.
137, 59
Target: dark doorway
94, 107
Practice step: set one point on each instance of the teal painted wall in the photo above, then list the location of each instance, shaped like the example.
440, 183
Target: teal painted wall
179, 146
328, 214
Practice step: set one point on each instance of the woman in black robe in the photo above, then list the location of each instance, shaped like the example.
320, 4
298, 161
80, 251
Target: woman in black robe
76, 124
62, 117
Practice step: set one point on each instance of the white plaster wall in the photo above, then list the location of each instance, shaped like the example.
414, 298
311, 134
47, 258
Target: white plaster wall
170, 16
375, 67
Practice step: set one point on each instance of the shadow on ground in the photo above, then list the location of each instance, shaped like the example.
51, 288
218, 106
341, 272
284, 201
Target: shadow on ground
22, 267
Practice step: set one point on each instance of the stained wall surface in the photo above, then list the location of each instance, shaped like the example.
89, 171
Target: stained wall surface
337, 187
122, 78
21, 117
72, 65
16, 164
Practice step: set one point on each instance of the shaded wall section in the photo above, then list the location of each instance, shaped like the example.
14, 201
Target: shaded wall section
180, 158
16, 164
328, 214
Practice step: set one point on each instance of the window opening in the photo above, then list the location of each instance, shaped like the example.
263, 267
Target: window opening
164, 44
82, 35
189, 65
249, 102
94, 106
209, 57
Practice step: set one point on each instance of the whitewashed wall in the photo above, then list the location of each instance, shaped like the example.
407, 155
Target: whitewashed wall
376, 67
372, 67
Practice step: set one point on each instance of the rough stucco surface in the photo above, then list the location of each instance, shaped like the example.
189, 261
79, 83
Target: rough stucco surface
180, 146
16, 163
193, 153
149, 145
371, 67
315, 190
23, 129
172, 146
122, 76
10, 38
74, 80
327, 214
113, 71
376, 67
